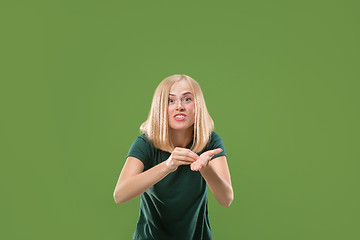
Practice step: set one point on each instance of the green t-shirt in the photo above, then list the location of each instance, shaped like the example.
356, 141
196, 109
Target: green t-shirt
177, 206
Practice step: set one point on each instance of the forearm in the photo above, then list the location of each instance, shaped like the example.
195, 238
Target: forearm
221, 189
138, 184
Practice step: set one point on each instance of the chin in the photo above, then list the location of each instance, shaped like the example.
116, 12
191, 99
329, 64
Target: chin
178, 128
181, 127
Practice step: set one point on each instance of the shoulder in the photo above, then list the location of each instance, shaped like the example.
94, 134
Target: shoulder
214, 137
214, 134
142, 138
142, 149
216, 142
142, 143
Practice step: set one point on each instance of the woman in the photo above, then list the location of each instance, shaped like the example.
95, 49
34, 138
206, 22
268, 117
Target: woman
169, 165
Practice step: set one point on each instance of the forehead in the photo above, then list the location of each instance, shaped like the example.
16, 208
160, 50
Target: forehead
181, 88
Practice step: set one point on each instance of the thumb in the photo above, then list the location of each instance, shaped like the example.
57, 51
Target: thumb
216, 151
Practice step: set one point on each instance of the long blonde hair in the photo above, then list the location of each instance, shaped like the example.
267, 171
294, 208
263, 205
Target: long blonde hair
156, 127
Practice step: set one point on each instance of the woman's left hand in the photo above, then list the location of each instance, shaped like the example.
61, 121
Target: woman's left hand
204, 159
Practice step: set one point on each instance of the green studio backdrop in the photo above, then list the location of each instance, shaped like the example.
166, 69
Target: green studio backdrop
280, 80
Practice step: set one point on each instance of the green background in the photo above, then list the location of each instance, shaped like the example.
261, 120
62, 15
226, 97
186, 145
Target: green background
280, 79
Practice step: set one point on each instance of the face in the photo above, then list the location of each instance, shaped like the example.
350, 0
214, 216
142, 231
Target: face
181, 107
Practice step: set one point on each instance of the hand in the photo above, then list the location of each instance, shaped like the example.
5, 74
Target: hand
180, 156
204, 159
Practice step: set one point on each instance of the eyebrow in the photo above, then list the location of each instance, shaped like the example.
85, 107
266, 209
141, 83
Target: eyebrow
182, 94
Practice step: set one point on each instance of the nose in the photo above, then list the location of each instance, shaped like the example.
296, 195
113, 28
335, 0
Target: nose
179, 104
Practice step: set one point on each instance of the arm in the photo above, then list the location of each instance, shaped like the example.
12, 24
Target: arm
217, 175
133, 181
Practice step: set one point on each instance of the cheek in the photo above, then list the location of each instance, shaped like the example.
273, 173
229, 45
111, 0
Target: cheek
170, 113
193, 113
193, 110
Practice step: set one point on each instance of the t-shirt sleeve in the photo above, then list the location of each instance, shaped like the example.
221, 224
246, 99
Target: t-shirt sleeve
216, 142
140, 150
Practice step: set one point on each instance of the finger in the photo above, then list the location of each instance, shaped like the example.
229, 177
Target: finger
179, 162
216, 151
194, 166
188, 152
197, 168
198, 164
184, 157
201, 165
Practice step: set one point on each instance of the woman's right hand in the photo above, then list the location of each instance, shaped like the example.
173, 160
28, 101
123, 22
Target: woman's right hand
180, 156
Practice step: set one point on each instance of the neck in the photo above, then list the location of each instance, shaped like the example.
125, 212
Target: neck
181, 138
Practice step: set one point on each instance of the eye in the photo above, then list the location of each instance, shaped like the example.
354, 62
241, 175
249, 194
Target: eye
187, 99
171, 100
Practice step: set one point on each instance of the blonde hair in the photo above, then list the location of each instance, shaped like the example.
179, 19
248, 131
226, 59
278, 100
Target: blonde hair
156, 127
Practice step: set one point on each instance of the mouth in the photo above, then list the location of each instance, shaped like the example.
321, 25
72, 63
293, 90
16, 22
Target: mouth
180, 117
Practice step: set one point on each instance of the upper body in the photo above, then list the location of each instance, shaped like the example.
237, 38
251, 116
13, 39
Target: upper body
176, 206
169, 165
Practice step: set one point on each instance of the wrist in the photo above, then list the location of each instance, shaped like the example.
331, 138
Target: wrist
168, 168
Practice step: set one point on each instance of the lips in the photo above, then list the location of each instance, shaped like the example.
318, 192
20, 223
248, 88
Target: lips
180, 114
179, 117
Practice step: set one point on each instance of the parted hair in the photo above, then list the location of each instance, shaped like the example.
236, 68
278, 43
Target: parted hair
156, 127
